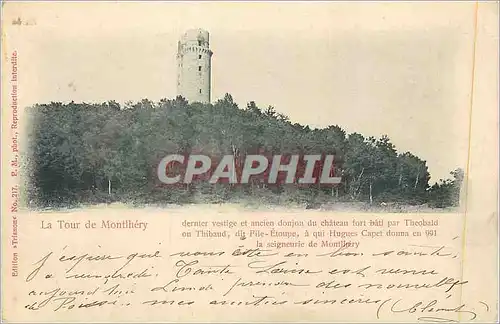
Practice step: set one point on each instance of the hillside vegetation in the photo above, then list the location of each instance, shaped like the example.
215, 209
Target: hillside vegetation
82, 153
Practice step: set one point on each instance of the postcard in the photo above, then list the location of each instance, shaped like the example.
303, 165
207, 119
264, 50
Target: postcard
250, 162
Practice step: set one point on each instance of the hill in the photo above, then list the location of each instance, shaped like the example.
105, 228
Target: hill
81, 153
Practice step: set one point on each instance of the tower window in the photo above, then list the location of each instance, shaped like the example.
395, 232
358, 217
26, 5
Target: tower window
199, 43
199, 56
200, 90
199, 68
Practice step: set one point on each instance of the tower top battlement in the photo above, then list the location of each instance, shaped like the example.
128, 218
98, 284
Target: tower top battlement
196, 37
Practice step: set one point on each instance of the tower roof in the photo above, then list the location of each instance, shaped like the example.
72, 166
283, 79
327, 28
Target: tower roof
195, 35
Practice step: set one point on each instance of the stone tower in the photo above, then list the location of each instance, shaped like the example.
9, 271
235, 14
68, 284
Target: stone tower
194, 66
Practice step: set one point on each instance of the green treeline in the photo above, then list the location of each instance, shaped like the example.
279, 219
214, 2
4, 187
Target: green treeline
94, 153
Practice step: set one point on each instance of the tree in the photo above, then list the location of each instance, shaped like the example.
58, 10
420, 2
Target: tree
446, 192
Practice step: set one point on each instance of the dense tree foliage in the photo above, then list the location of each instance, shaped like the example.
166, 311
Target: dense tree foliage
90, 153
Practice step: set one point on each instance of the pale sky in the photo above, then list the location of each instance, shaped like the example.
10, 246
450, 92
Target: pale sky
401, 69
